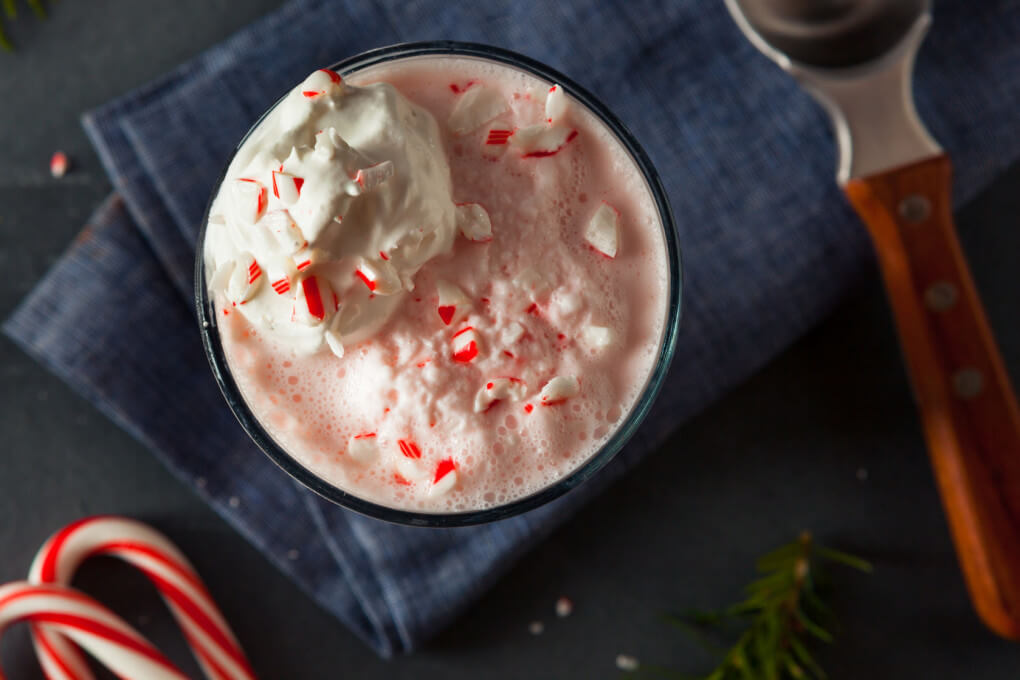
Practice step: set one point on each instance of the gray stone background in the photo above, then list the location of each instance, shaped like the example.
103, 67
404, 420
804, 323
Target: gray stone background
825, 438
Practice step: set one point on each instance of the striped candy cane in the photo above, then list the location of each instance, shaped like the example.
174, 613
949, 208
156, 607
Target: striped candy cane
63, 611
210, 638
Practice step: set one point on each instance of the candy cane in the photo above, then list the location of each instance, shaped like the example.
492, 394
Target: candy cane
66, 612
208, 634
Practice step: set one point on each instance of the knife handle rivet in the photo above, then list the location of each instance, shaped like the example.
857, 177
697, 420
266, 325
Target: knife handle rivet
968, 383
915, 208
941, 296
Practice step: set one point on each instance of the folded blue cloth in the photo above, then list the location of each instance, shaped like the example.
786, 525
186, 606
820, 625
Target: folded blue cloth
769, 243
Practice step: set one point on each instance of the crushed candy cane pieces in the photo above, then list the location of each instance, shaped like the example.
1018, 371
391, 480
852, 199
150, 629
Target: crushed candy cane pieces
453, 303
555, 105
497, 389
314, 301
542, 140
250, 199
363, 448
59, 164
466, 345
379, 276
496, 140
559, 389
245, 278
332, 75
603, 231
445, 477
473, 222
474, 108
287, 187
409, 449
367, 179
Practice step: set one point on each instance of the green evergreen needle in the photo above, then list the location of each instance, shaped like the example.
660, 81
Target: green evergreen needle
11, 9
781, 611
812, 627
794, 670
805, 658
37, 7
5, 44
844, 558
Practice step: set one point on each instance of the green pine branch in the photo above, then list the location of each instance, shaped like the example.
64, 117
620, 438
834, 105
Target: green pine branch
780, 618
10, 9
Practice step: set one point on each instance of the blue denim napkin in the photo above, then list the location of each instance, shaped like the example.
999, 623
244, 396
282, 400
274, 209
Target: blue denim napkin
769, 244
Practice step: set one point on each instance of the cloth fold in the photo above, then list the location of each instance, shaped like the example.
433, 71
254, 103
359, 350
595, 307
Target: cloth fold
769, 247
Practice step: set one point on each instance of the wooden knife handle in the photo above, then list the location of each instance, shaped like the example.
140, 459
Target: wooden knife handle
968, 409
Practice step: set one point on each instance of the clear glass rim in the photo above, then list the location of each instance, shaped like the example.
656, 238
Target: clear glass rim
224, 379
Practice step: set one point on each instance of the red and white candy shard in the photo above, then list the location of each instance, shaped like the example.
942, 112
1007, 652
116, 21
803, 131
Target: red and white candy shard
466, 345
496, 140
320, 82
333, 339
280, 281
379, 276
408, 449
369, 178
285, 231
245, 279
333, 76
59, 164
473, 222
497, 389
250, 199
444, 478
476, 107
408, 463
555, 105
538, 141
363, 448
597, 337
559, 389
512, 333
314, 301
603, 232
305, 258
287, 187
453, 303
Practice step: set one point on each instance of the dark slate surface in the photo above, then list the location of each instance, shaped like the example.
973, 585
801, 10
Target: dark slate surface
825, 438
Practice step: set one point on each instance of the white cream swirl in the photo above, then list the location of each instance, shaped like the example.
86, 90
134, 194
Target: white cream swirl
327, 212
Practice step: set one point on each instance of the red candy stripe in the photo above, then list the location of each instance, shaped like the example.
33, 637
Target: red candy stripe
409, 449
445, 467
333, 75
310, 287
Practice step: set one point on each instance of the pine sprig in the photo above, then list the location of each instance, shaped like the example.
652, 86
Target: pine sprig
781, 616
10, 8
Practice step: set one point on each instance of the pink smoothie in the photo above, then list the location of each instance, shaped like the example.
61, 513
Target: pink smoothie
414, 404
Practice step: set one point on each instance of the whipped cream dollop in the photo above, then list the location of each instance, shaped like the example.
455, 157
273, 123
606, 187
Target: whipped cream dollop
327, 212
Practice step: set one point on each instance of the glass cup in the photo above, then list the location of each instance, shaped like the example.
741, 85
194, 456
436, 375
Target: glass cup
627, 425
